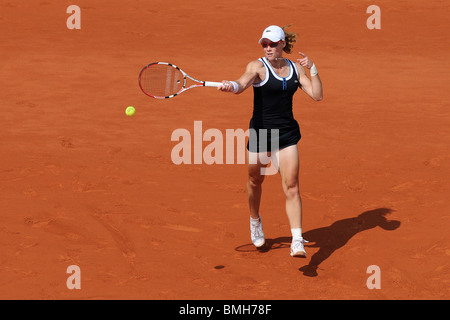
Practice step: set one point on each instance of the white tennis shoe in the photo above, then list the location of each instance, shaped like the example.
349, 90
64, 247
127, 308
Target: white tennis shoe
257, 233
297, 248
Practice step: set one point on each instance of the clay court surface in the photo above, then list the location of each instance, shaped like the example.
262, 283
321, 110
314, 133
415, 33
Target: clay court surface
83, 184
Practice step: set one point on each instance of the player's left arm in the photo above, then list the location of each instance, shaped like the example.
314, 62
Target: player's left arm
312, 86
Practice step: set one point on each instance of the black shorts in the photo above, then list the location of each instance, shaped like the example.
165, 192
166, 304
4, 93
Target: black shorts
267, 140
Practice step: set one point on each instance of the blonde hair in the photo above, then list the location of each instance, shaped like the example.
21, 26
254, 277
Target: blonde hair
290, 38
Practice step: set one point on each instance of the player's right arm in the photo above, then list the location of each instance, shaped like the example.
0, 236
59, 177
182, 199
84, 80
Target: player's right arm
250, 76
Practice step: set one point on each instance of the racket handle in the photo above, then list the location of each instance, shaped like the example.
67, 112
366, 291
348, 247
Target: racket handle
212, 84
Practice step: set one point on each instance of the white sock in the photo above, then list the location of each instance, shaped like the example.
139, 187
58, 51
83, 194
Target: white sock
296, 233
254, 221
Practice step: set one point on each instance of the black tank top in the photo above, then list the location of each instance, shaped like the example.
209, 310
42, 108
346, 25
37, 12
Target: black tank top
272, 102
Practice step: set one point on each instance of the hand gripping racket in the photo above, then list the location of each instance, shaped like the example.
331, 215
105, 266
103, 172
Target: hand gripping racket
162, 80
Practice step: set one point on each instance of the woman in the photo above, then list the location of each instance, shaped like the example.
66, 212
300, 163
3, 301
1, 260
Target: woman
273, 130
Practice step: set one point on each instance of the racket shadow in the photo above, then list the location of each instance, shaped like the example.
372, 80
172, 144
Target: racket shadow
271, 244
331, 238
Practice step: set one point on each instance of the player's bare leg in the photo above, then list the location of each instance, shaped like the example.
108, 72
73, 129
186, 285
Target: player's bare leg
254, 191
288, 161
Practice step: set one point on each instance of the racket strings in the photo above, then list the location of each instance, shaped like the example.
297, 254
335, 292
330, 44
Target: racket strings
161, 80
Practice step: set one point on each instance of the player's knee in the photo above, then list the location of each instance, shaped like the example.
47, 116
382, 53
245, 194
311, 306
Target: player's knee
291, 190
255, 181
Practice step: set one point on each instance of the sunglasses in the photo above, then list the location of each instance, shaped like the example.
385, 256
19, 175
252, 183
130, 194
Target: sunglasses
270, 44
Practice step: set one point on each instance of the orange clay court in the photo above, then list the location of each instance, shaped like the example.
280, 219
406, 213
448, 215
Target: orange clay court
83, 184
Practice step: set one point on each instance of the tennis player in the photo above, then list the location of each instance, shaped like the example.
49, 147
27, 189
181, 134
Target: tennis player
275, 80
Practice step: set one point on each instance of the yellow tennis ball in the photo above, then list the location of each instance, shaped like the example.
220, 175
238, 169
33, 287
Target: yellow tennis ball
130, 111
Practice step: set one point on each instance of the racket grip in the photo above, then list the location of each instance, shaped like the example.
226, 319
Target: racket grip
212, 84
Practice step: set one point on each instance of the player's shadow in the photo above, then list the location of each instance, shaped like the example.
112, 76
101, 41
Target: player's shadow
331, 238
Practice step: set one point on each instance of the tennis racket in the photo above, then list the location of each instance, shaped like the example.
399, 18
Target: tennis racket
162, 80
